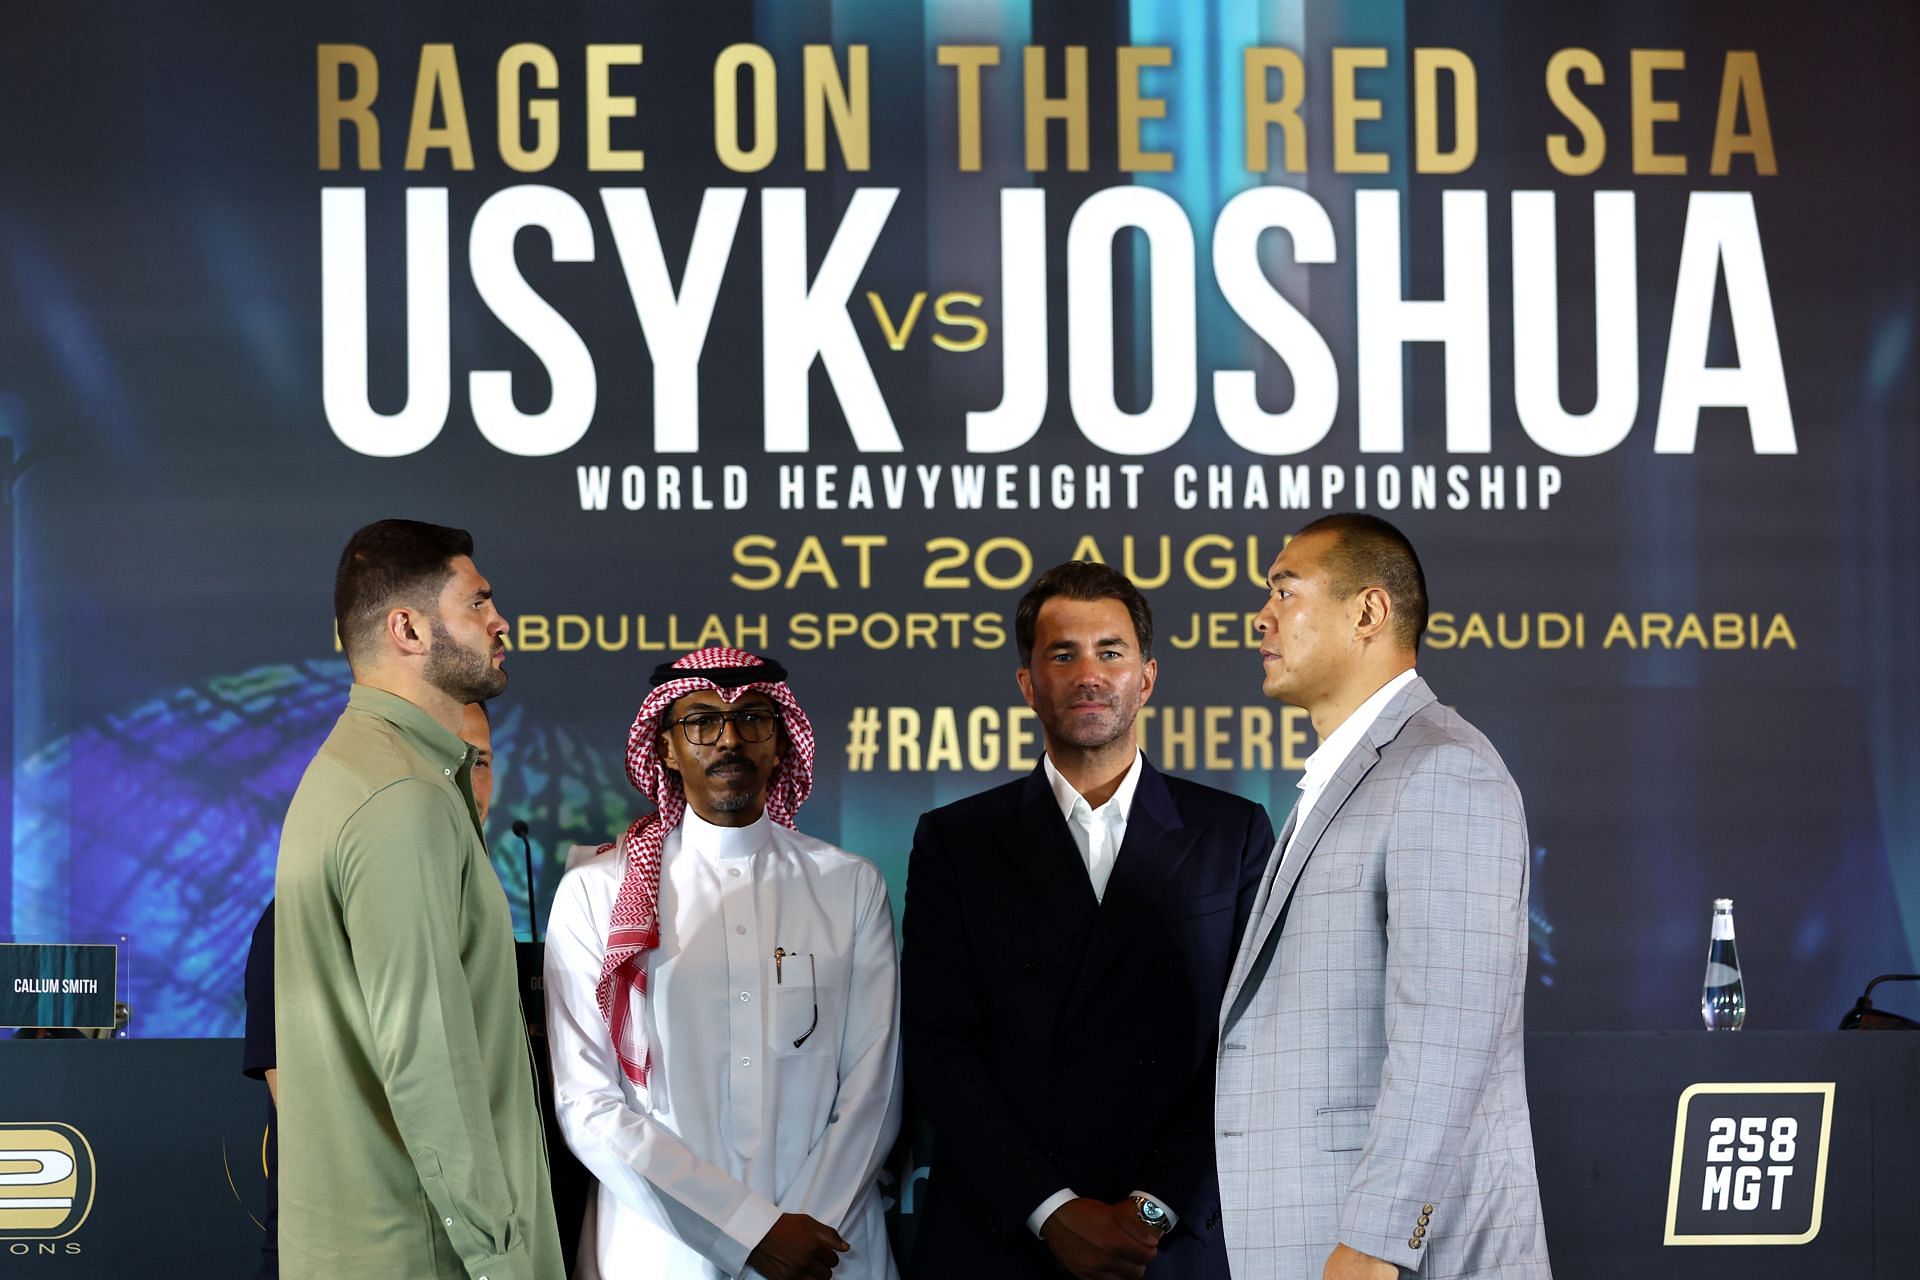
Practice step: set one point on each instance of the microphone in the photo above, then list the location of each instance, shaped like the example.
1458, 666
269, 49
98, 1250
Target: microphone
533, 902
1864, 1017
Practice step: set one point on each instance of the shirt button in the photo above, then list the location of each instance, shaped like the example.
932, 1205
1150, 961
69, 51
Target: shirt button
449, 1221
746, 1062
448, 772
733, 871
744, 997
740, 929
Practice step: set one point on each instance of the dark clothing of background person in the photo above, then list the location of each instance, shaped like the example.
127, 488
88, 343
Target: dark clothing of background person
257, 1058
1058, 1040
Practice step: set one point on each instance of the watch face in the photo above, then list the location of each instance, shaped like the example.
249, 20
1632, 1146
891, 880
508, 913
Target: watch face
1152, 1213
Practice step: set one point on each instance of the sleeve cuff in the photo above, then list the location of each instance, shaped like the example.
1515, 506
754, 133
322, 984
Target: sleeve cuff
742, 1233
1173, 1219
1038, 1218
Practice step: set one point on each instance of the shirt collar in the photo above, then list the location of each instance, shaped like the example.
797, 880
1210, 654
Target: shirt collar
1337, 745
725, 842
431, 738
1119, 805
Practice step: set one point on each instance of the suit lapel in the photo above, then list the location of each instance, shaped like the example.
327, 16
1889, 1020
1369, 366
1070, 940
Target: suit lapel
1243, 958
1156, 845
1289, 862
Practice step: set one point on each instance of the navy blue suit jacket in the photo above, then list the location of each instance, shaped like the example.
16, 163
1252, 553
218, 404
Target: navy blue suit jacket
1057, 1040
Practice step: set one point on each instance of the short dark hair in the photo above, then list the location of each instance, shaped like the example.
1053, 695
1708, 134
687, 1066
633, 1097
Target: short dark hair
1370, 552
391, 562
1082, 580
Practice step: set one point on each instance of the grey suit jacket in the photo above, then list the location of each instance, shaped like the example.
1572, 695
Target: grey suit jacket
1371, 1088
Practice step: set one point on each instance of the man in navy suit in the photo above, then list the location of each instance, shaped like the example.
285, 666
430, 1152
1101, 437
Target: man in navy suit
1068, 938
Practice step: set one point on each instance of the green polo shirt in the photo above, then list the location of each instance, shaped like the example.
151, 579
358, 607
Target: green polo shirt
410, 1138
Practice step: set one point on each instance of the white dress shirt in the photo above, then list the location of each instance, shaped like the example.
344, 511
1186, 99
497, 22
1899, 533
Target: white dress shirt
736, 1125
1098, 834
1336, 747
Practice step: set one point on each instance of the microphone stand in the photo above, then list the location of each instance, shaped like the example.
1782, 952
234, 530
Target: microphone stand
533, 902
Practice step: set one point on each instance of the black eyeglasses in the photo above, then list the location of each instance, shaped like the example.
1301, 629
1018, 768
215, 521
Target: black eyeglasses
813, 978
703, 728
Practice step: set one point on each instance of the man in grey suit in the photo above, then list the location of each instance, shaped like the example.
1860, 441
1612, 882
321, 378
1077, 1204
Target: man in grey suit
1370, 1099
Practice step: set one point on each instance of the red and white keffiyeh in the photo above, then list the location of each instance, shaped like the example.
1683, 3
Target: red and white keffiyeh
635, 926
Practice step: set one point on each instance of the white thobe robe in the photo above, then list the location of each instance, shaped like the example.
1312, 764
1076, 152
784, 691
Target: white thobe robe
736, 1125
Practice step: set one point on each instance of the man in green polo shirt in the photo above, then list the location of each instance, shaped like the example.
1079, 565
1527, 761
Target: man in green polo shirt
410, 1139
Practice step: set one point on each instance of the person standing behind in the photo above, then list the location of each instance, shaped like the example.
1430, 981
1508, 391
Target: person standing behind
1067, 940
411, 1141
1371, 1105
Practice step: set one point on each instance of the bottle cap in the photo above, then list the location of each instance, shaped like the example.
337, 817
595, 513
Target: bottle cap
1723, 904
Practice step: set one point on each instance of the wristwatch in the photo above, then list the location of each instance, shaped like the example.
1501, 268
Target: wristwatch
1152, 1214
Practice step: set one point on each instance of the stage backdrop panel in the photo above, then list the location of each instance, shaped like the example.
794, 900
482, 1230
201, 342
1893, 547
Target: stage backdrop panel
822, 328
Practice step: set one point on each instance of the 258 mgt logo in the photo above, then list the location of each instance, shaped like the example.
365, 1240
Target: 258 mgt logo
46, 1187
1749, 1163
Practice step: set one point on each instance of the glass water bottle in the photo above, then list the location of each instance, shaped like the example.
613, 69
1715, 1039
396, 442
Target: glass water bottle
1723, 997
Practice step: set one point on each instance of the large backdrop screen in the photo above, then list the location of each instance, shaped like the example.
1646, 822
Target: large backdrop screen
821, 328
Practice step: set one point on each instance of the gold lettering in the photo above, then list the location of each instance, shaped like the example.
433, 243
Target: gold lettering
1649, 110
357, 111
943, 313
1132, 570
896, 337
439, 82
1350, 109
983, 739
758, 63
543, 112
600, 634
1133, 108
604, 107
966, 61
1214, 737
742, 549
1222, 566
570, 633
846, 101
1428, 64
903, 740
1740, 83
1256, 738
1070, 107
1593, 138
1293, 736
532, 633
811, 559
1021, 739
1263, 113
943, 744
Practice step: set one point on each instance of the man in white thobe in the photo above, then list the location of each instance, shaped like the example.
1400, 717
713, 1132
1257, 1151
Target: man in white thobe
722, 1004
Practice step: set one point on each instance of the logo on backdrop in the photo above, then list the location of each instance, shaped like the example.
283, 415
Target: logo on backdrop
1749, 1163
46, 1180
